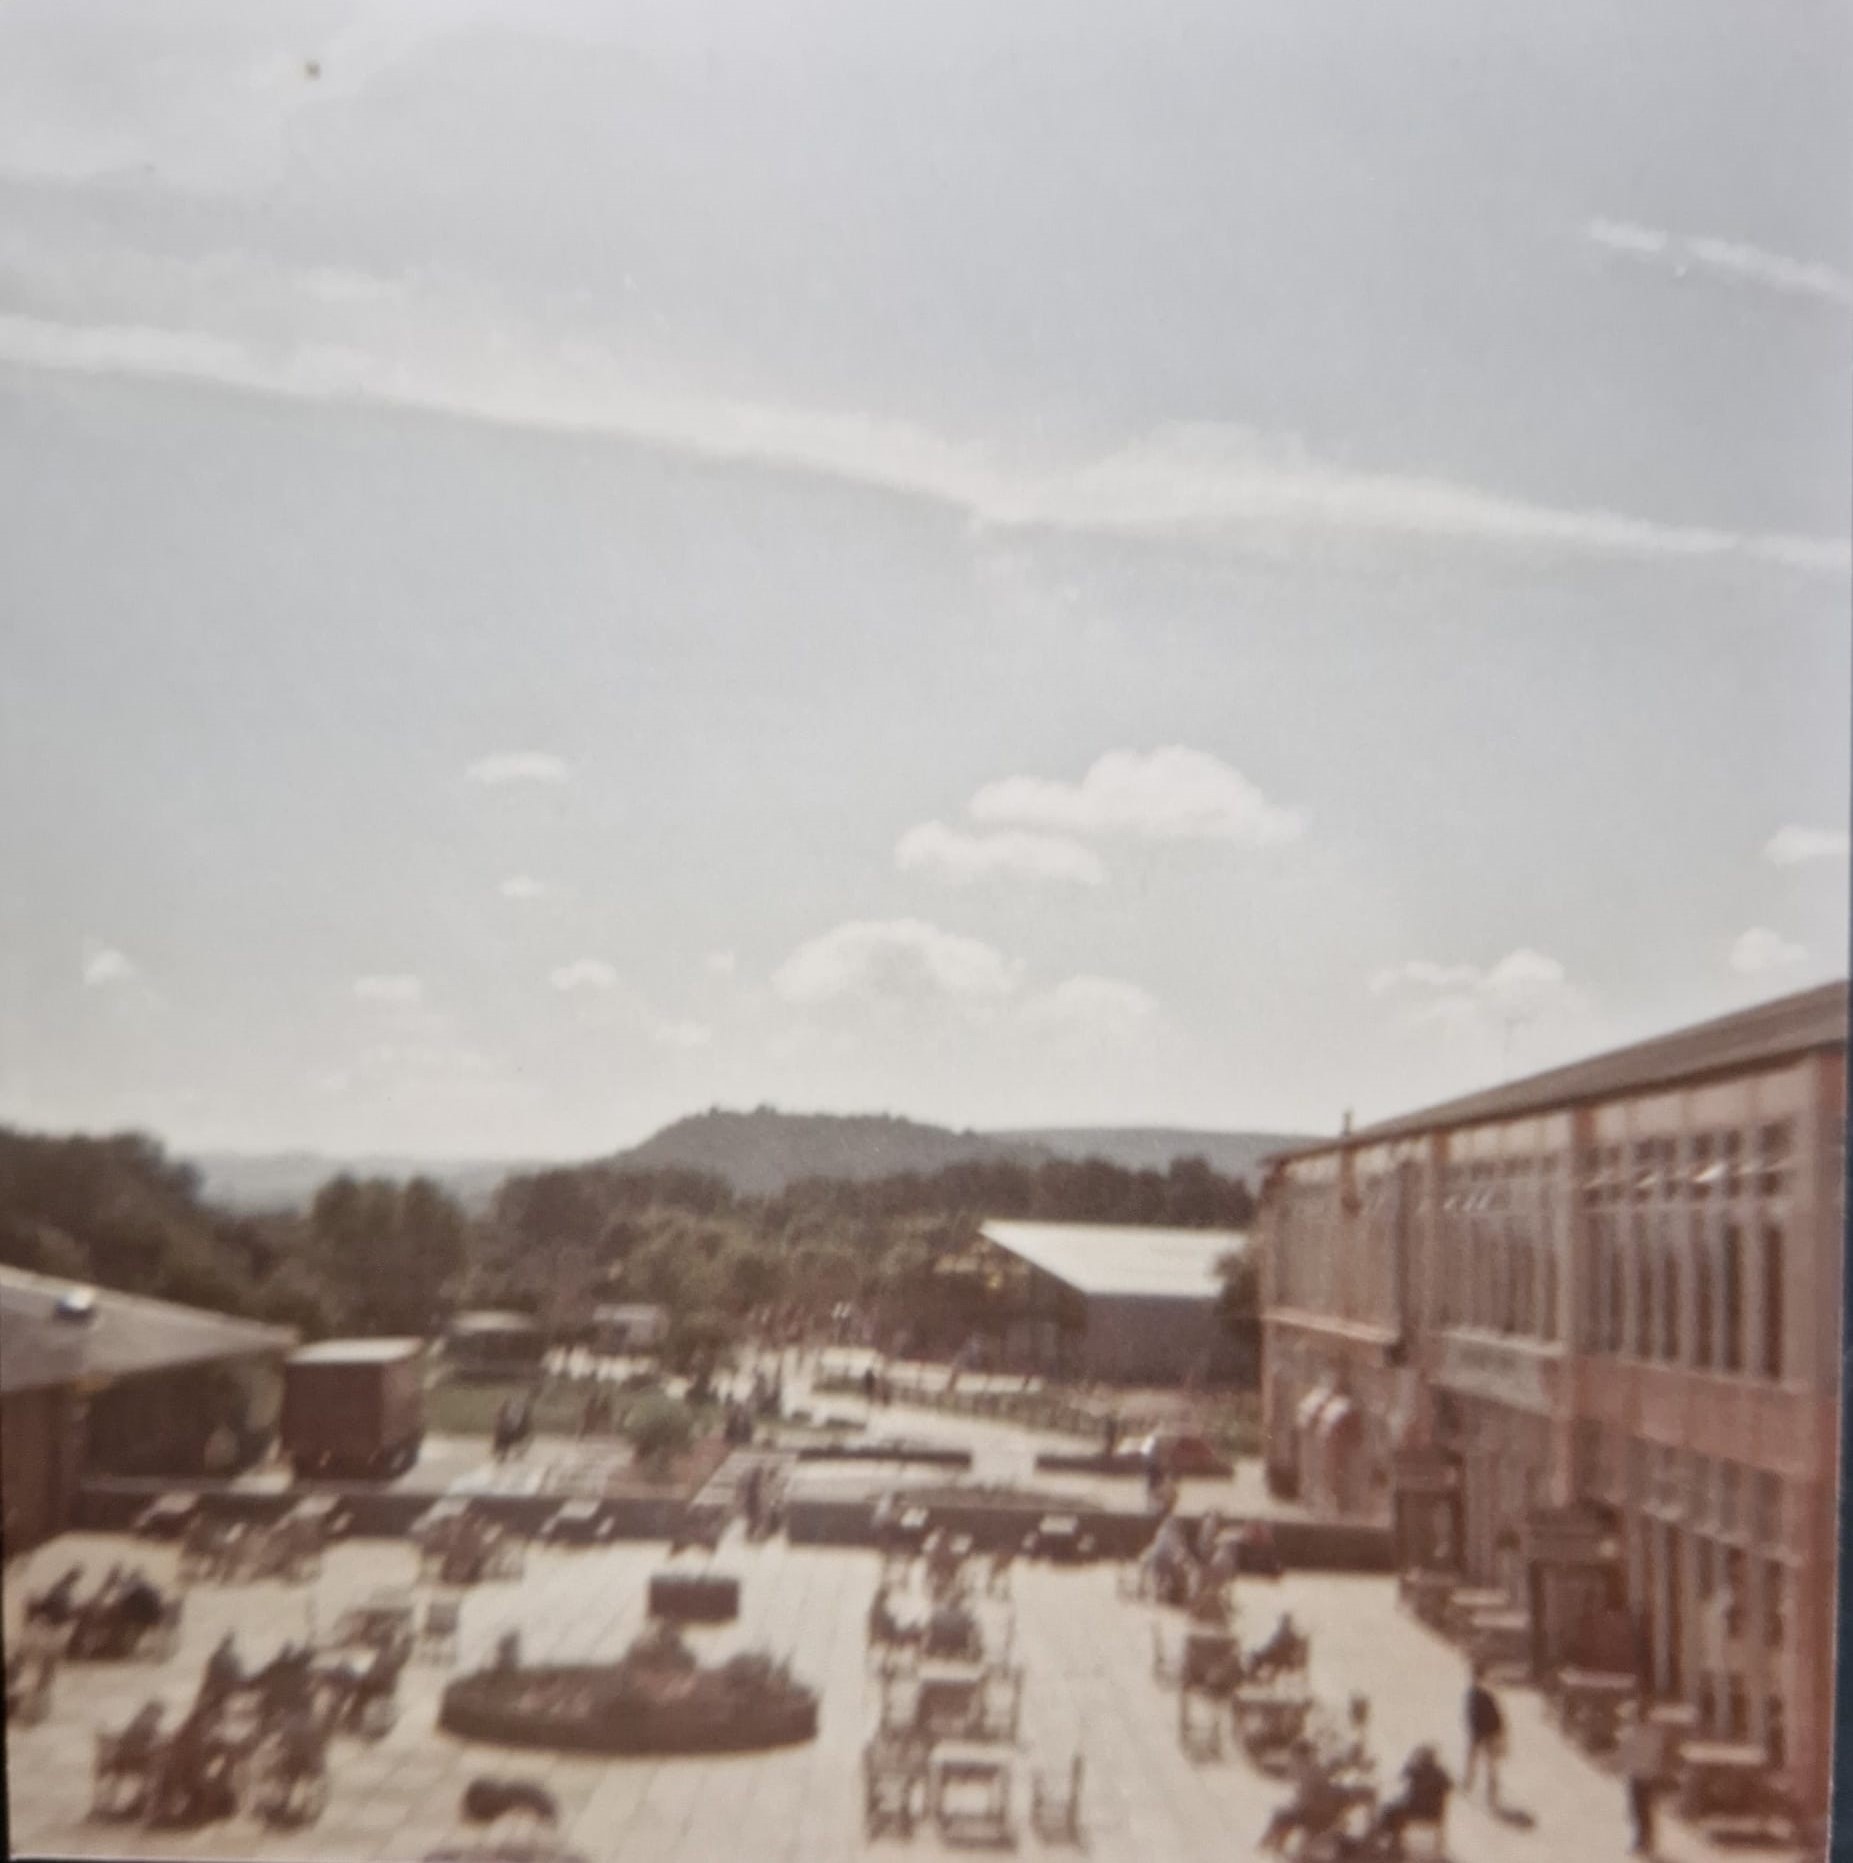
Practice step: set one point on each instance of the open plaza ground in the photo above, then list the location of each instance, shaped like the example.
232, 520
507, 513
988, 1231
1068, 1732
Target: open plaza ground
1087, 1652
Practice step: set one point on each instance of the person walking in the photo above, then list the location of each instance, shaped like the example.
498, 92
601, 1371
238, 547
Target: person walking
1486, 1735
1644, 1766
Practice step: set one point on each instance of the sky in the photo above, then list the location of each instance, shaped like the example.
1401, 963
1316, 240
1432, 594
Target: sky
1215, 562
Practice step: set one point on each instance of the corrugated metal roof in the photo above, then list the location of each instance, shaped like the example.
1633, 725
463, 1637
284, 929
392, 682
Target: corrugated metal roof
1770, 1033
357, 1351
1114, 1258
124, 1333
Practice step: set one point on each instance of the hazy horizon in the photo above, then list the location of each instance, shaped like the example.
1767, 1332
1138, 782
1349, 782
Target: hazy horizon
1062, 565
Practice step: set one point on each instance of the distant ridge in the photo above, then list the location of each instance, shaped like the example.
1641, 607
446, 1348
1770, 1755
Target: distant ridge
758, 1153
1155, 1148
762, 1151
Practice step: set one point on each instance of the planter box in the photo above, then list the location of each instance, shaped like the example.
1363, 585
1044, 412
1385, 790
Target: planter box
694, 1598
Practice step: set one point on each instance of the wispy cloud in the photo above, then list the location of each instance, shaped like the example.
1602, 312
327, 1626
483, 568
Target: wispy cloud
1089, 1013
1758, 951
1173, 794
1523, 979
960, 858
104, 965
396, 988
894, 962
1686, 255
424, 347
523, 887
518, 766
1791, 846
584, 973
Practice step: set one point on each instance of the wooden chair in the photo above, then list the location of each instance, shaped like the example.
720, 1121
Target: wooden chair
900, 1702
893, 1777
1000, 1704
441, 1632
1055, 1804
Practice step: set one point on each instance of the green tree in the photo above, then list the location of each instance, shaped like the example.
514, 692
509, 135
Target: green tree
659, 1429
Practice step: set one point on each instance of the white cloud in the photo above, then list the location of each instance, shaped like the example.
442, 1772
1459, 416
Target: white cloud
585, 973
723, 963
1521, 972
962, 858
1170, 794
1760, 949
1091, 1011
399, 989
1789, 847
894, 961
425, 346
518, 766
1724, 260
1522, 980
523, 887
1519, 1013
104, 964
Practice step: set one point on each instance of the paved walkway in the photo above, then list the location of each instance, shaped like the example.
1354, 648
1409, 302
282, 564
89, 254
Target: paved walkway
1087, 1653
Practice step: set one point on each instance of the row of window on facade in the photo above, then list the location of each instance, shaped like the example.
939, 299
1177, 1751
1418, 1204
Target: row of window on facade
1731, 1502
1724, 1164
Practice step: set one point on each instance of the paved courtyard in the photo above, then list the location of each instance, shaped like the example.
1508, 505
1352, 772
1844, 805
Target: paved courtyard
1087, 1653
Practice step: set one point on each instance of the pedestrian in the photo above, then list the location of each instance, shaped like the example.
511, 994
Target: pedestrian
1486, 1735
1644, 1766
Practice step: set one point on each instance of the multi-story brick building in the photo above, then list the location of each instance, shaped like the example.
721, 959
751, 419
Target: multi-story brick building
1578, 1335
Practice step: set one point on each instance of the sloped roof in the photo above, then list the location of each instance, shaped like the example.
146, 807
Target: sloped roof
1772, 1032
124, 1333
1115, 1258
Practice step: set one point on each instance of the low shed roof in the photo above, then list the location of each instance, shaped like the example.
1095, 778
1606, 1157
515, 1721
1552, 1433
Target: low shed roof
357, 1352
56, 1332
1115, 1258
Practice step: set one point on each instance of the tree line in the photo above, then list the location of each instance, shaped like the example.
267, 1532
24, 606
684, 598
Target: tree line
383, 1256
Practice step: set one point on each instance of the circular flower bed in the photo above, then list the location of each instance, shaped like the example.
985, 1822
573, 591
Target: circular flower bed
654, 1700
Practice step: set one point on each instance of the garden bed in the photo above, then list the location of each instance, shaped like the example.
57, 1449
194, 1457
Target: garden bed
632, 1706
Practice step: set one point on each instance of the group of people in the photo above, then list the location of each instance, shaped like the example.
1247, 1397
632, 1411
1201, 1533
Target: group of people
1182, 1569
110, 1623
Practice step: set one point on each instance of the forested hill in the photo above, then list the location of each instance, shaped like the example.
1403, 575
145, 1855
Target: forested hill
759, 1153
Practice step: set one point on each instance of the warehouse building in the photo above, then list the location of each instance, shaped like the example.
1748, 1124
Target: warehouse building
1120, 1304
1579, 1336
491, 1344
87, 1375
